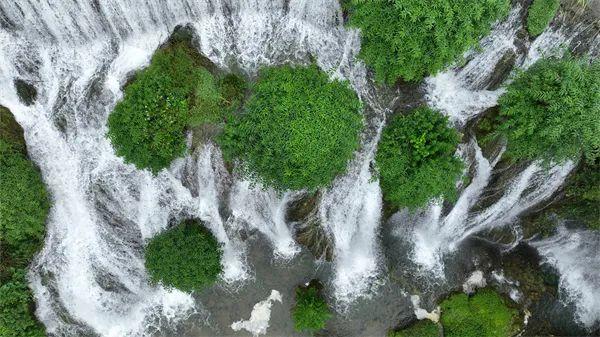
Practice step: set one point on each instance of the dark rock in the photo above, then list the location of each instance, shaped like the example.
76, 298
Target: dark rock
302, 212
26, 91
502, 70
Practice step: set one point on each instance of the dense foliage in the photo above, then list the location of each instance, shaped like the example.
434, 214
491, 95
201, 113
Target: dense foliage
16, 300
311, 311
540, 14
484, 314
415, 159
415, 38
299, 129
423, 328
23, 208
552, 111
187, 257
176, 91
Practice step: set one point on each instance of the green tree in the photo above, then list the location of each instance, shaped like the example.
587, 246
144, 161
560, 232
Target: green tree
298, 130
552, 111
23, 209
147, 128
415, 159
311, 311
484, 314
540, 14
414, 38
16, 316
187, 257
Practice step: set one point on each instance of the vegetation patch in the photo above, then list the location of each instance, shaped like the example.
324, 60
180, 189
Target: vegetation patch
311, 311
422, 328
186, 257
552, 112
24, 206
175, 92
485, 314
415, 159
540, 14
412, 39
298, 129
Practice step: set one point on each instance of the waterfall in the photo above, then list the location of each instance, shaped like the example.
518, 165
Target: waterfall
574, 253
90, 275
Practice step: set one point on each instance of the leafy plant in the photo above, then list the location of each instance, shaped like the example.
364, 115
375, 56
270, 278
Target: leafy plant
16, 316
484, 314
186, 257
311, 311
422, 328
552, 112
298, 130
540, 14
413, 38
415, 159
147, 128
23, 208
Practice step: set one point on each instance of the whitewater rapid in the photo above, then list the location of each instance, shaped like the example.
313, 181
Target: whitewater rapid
90, 276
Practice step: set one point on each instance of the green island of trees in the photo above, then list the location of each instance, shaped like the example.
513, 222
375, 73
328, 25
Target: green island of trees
311, 311
186, 257
484, 314
540, 14
413, 39
552, 112
24, 206
415, 159
298, 129
174, 93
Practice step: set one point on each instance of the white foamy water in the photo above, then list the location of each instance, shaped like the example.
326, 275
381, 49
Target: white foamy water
258, 323
90, 275
574, 253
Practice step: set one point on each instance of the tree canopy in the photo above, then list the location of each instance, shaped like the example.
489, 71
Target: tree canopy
411, 39
552, 111
298, 129
415, 158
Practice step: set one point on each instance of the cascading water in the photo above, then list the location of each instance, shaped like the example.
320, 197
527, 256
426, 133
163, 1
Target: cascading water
90, 277
90, 274
574, 253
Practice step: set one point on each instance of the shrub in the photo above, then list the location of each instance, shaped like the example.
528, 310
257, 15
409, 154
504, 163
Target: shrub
24, 202
147, 128
412, 39
415, 159
187, 257
423, 328
484, 314
16, 314
311, 311
540, 14
299, 130
552, 112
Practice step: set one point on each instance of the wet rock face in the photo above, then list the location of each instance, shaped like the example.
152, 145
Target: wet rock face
302, 212
26, 91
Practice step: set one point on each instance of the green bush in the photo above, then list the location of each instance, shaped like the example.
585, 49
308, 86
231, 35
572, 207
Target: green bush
415, 159
552, 112
540, 14
299, 129
413, 38
24, 202
147, 128
484, 314
23, 208
311, 311
582, 196
16, 314
187, 257
423, 328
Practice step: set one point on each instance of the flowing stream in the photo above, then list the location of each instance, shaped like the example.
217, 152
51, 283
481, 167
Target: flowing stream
90, 278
